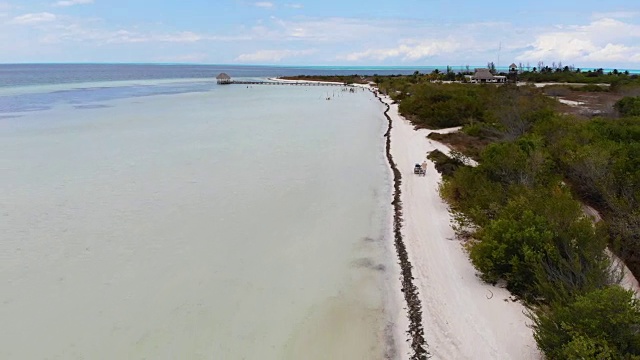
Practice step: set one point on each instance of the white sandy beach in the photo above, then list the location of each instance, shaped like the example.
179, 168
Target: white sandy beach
464, 318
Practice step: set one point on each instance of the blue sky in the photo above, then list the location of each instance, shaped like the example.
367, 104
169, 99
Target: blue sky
328, 32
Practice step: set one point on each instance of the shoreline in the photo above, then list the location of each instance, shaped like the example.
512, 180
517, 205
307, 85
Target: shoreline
414, 308
448, 312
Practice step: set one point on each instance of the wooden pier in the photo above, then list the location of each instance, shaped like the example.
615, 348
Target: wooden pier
224, 79
302, 83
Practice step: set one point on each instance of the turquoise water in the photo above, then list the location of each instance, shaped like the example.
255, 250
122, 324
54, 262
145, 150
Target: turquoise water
181, 219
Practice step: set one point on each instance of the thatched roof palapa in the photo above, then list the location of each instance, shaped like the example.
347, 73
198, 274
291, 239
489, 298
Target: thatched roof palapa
483, 74
224, 79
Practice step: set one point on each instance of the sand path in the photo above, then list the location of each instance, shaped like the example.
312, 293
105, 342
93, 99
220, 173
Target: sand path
463, 317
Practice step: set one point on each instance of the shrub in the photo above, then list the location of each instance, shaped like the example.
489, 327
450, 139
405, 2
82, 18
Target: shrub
472, 196
602, 324
628, 106
590, 88
445, 165
542, 246
442, 106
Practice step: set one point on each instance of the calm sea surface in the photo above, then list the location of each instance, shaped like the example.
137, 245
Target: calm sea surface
146, 212
34, 74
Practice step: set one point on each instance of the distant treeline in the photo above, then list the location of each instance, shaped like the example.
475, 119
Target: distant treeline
614, 77
545, 74
521, 208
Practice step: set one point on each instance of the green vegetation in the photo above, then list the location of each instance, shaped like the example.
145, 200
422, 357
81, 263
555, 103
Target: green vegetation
628, 106
602, 324
529, 230
521, 210
445, 165
542, 247
565, 75
488, 111
591, 88
601, 159
442, 106
470, 145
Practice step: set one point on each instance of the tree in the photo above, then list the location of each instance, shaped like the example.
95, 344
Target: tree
492, 67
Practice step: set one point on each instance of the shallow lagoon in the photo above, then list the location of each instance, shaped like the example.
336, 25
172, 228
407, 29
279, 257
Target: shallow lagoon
217, 222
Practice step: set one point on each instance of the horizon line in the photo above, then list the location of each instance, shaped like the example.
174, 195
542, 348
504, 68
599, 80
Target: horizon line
292, 65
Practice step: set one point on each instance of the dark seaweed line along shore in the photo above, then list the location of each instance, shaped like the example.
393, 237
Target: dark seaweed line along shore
416, 332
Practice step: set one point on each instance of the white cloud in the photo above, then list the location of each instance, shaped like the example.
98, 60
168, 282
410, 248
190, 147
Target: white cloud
602, 40
64, 3
34, 18
264, 4
334, 29
605, 39
615, 52
272, 56
409, 51
79, 33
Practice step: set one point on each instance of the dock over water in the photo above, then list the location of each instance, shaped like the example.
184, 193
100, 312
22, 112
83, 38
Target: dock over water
225, 79
301, 83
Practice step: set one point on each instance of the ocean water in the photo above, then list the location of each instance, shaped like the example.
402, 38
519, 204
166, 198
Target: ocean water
171, 218
12, 75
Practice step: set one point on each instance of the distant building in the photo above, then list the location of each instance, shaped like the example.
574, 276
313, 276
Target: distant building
513, 73
223, 79
485, 76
